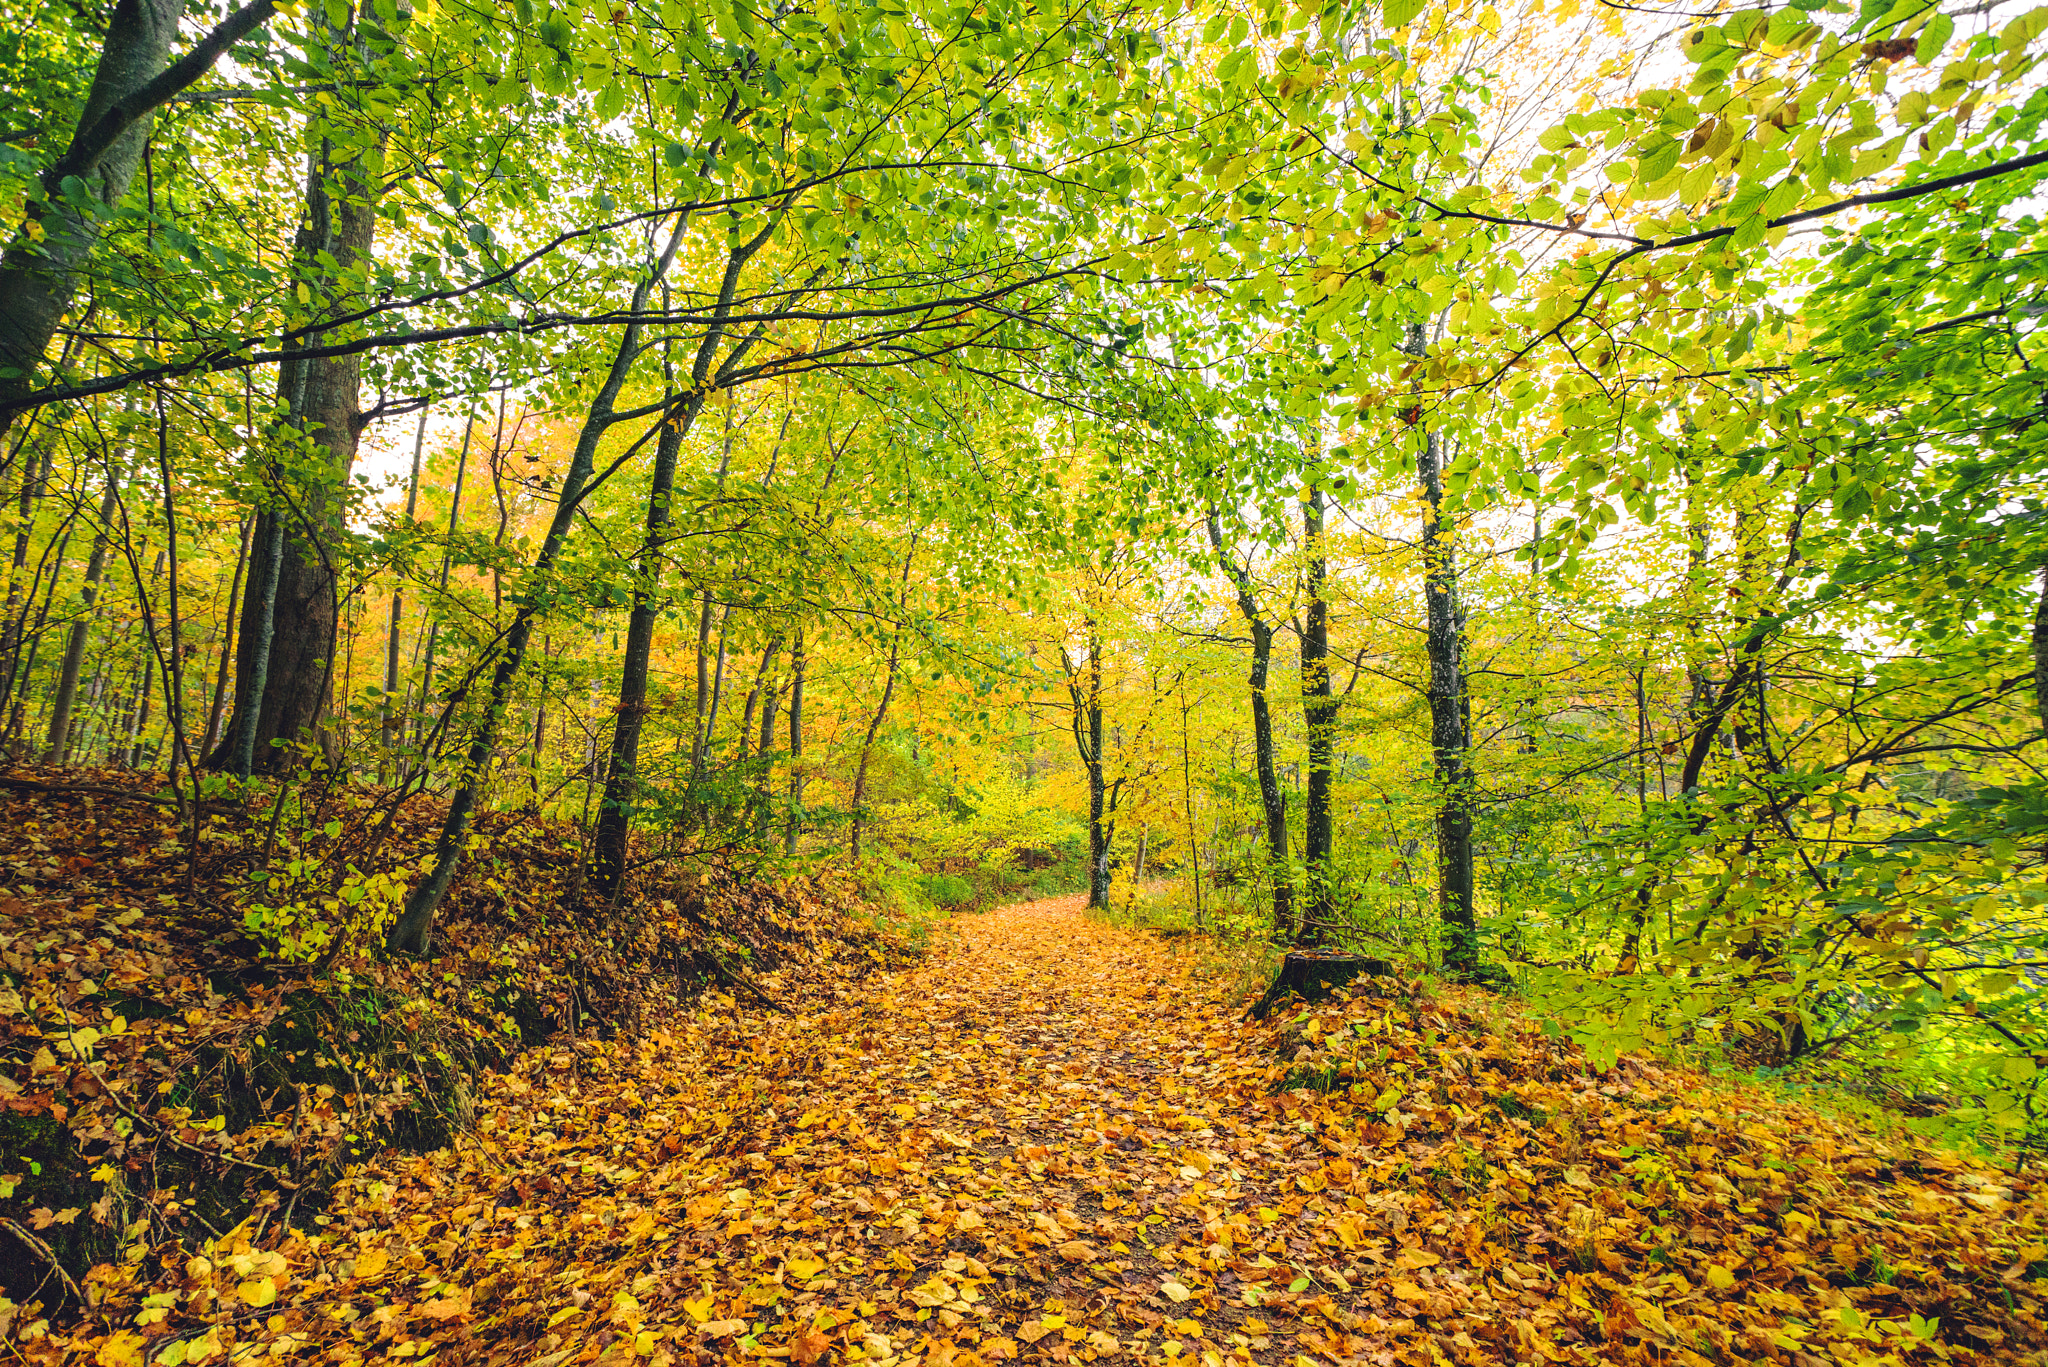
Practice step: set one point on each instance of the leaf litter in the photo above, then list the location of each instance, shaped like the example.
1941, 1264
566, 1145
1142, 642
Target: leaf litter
1052, 1142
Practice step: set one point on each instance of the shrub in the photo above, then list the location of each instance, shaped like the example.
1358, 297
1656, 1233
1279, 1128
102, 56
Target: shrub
946, 890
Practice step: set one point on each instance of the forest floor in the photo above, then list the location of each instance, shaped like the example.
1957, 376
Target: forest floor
1051, 1140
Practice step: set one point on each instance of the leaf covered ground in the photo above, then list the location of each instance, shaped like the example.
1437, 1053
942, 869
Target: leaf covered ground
1050, 1141
165, 1073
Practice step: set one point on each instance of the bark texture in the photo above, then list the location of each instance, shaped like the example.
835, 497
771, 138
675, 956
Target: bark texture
1450, 741
1084, 692
292, 548
1271, 799
622, 775
1319, 714
39, 270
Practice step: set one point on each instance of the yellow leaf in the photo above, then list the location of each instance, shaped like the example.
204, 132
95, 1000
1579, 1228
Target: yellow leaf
803, 1268
699, 1309
1174, 1291
571, 1311
447, 1307
1720, 1278
122, 1350
370, 1263
258, 1292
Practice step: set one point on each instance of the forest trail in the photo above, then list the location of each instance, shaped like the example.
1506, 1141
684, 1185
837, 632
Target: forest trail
1048, 1140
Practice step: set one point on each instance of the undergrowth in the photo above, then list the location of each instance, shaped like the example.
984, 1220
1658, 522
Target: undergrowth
195, 1039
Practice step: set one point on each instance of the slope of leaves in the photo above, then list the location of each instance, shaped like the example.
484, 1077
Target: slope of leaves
164, 1073
1050, 1142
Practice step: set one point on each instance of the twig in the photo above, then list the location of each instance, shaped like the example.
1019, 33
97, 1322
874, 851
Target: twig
29, 785
51, 1258
742, 981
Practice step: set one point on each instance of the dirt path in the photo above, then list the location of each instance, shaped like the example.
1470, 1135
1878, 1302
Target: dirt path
1047, 1141
1012, 1148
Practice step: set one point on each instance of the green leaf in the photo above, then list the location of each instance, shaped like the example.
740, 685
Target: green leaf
1401, 13
1933, 39
1659, 163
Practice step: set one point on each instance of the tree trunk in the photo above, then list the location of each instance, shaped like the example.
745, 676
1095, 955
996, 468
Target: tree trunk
867, 746
35, 477
173, 664
717, 679
622, 775
2041, 653
540, 729
19, 719
1699, 689
58, 740
388, 721
1271, 798
1319, 716
1187, 794
1314, 974
39, 270
217, 708
701, 712
146, 670
408, 933
1450, 743
771, 699
1084, 693
794, 824
755, 696
289, 608
441, 586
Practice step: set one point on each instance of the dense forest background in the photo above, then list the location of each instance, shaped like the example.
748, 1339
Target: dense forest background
1549, 492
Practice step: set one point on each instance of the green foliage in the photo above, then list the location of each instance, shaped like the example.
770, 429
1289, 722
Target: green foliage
946, 890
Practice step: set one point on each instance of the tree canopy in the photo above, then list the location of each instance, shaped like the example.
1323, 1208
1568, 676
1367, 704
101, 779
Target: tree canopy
1550, 492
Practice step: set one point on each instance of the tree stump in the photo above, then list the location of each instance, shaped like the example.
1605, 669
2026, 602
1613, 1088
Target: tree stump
1312, 974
